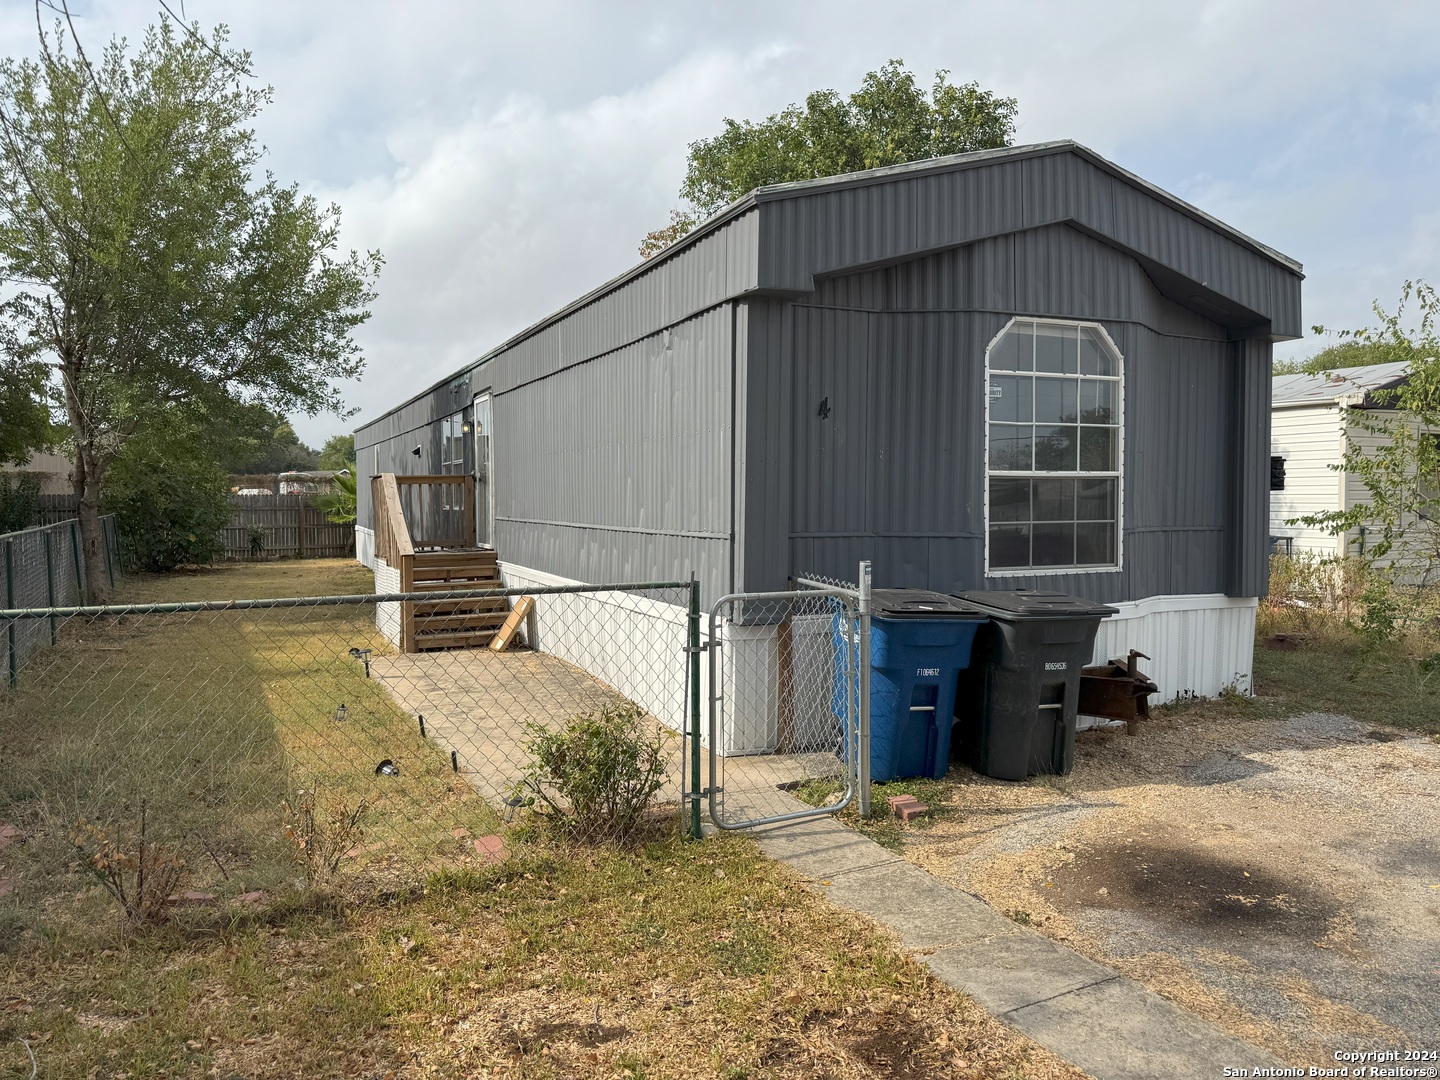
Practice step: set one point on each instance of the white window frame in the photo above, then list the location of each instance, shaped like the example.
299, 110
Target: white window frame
452, 437
1119, 474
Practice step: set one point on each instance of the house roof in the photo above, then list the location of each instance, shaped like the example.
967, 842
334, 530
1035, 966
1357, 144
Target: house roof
1238, 282
1290, 391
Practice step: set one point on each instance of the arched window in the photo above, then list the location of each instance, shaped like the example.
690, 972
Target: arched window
1054, 399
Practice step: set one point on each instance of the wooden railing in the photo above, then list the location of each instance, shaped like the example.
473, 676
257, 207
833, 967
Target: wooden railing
425, 529
392, 535
439, 510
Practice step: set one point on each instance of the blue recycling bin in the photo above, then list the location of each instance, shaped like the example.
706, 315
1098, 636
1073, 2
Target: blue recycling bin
919, 643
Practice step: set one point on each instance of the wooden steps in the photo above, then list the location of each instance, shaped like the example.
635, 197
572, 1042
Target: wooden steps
461, 622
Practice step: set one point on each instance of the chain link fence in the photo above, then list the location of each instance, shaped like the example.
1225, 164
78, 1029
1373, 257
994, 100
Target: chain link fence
783, 720
230, 749
44, 567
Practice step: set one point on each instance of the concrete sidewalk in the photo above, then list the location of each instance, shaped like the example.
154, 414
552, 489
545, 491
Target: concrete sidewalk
1111, 1027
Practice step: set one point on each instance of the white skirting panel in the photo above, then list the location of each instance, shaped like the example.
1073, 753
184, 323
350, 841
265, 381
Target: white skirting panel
387, 616
632, 642
1198, 645
365, 546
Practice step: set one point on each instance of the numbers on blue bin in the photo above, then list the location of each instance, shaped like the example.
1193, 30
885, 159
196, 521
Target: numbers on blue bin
927, 673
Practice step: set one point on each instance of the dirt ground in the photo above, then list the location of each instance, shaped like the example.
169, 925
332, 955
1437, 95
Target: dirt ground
1279, 877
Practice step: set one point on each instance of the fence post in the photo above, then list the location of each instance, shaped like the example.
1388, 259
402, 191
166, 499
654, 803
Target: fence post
694, 652
75, 551
10, 623
106, 530
50, 579
862, 781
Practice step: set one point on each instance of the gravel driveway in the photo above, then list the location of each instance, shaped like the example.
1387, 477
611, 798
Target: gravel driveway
1280, 878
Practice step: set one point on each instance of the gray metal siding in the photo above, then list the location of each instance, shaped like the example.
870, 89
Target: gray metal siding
910, 215
1249, 560
764, 366
893, 473
714, 268
619, 468
617, 456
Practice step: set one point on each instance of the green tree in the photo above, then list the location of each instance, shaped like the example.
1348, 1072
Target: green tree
153, 267
254, 439
890, 120
338, 453
24, 418
1399, 467
1346, 353
170, 497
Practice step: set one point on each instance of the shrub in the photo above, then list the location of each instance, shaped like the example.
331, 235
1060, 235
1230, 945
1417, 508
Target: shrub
338, 505
141, 878
170, 507
598, 773
19, 501
320, 842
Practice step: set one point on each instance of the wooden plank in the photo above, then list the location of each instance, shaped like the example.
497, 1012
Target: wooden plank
407, 607
456, 641
474, 585
425, 558
458, 608
506, 633
466, 620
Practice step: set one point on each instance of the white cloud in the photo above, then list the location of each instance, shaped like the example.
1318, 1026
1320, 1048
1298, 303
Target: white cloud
507, 158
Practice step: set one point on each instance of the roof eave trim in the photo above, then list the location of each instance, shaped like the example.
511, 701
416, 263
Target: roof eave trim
978, 158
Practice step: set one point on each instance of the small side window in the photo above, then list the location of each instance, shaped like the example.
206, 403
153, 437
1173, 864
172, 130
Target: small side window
1277, 473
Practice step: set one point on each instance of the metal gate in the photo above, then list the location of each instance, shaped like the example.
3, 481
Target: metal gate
786, 711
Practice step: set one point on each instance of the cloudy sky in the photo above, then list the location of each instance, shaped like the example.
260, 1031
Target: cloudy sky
507, 157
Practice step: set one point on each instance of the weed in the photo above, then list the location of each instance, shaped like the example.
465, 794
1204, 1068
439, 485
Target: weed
140, 879
320, 843
1018, 915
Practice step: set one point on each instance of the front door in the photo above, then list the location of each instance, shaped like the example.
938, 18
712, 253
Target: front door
484, 499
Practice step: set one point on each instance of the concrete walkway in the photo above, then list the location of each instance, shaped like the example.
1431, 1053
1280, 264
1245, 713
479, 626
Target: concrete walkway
1109, 1026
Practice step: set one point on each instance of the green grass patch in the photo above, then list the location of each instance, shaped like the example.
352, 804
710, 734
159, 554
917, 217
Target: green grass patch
221, 726
666, 958
882, 826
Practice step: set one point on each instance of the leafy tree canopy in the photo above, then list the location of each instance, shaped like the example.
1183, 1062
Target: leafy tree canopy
24, 417
1346, 353
152, 267
890, 120
254, 439
338, 453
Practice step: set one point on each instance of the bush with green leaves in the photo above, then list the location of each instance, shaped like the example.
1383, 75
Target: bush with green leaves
19, 501
597, 775
338, 505
170, 507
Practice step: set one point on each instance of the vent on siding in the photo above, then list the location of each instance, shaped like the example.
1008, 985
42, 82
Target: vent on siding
1277, 473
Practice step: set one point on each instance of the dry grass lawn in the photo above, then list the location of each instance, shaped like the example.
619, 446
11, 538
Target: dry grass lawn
671, 959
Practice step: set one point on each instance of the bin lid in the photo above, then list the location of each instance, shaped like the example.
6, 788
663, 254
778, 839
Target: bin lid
918, 604
1034, 604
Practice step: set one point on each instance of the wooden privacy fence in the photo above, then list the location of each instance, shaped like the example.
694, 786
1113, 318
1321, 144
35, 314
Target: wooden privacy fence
260, 527
271, 526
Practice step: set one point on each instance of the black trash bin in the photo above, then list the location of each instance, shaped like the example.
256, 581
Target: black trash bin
1016, 703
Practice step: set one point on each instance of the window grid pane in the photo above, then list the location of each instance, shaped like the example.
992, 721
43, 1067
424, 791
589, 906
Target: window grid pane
1054, 440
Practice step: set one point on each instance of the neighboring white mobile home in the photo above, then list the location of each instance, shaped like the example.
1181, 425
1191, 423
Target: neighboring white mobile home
1312, 425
